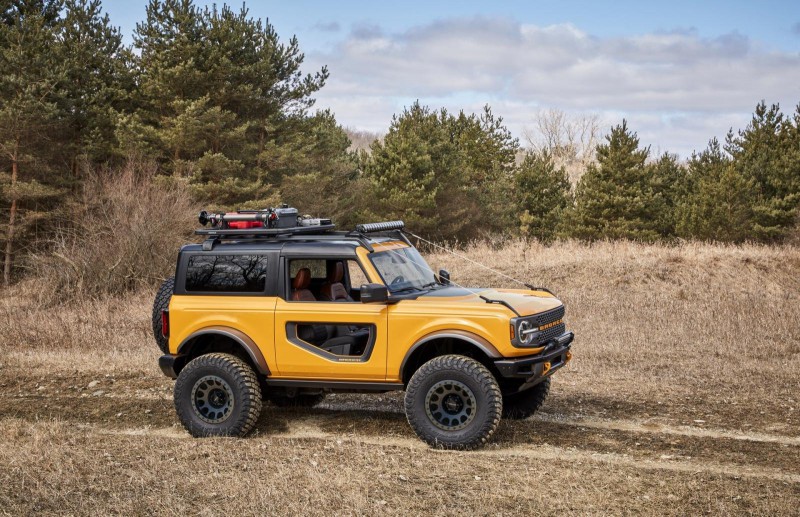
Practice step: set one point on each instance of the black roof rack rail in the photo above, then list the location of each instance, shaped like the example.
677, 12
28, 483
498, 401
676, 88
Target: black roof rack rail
265, 232
248, 234
304, 233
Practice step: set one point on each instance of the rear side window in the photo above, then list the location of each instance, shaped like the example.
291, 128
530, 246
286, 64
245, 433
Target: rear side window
226, 273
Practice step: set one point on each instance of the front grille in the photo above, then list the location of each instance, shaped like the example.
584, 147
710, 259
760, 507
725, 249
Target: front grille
547, 317
542, 319
548, 325
550, 333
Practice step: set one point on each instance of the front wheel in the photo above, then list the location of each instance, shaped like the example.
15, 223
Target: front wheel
218, 395
453, 402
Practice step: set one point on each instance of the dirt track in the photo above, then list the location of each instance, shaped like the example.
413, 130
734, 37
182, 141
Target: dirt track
135, 413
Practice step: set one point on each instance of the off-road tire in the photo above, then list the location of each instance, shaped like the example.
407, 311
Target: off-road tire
161, 303
521, 405
471, 377
233, 373
281, 399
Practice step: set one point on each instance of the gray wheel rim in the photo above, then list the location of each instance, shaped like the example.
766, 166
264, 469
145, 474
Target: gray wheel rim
450, 405
212, 399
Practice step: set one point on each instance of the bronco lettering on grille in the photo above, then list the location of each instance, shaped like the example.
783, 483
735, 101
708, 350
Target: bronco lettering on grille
550, 325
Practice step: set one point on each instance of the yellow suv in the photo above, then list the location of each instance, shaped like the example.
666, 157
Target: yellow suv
290, 313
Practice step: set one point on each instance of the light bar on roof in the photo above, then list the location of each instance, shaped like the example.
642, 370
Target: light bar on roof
385, 226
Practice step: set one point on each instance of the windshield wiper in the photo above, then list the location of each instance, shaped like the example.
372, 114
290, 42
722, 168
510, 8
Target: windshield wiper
416, 287
406, 289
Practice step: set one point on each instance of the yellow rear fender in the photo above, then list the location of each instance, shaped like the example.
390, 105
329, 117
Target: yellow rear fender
226, 340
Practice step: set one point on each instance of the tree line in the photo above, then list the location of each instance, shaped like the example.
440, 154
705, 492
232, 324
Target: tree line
219, 103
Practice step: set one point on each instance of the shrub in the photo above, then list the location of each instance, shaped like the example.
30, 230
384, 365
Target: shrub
121, 236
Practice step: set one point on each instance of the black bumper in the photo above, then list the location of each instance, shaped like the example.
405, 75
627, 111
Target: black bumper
532, 368
171, 365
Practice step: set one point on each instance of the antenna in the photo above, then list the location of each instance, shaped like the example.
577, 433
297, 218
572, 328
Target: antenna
464, 257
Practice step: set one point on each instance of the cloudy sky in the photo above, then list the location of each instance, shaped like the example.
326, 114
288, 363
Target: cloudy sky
679, 71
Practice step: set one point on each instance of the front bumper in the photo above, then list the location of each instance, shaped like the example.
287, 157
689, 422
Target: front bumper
534, 369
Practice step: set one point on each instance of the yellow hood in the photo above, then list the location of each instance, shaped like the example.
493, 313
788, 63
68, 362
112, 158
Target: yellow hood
524, 302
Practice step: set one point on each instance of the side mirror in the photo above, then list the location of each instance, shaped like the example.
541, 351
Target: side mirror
444, 277
374, 293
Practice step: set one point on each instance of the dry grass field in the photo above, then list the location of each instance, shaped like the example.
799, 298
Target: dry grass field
683, 398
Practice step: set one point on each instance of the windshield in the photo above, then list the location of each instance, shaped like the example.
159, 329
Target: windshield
403, 269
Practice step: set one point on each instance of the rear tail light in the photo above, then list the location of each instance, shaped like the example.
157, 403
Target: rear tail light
165, 323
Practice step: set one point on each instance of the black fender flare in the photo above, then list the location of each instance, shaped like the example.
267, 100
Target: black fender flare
242, 339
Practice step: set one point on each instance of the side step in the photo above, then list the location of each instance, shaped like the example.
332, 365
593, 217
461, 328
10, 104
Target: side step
337, 385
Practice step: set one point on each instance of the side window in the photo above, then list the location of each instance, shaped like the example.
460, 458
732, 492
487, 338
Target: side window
331, 279
357, 276
226, 273
316, 266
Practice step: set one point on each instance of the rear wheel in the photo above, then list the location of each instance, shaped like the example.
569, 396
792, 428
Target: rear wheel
453, 402
218, 395
518, 406
161, 303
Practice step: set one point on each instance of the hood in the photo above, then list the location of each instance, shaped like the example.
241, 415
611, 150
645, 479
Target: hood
524, 302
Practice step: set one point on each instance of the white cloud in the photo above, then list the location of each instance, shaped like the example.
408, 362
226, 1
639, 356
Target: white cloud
677, 88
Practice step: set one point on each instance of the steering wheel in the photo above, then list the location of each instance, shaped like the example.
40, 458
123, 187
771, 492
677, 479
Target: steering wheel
397, 280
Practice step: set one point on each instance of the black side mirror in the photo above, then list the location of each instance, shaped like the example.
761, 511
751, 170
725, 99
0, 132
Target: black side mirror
444, 277
374, 293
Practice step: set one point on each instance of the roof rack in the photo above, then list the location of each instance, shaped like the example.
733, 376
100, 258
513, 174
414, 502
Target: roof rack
284, 224
303, 233
265, 232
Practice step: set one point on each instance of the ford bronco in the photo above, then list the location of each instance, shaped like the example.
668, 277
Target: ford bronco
272, 306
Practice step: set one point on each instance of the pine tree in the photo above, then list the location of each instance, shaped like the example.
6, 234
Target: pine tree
765, 152
615, 199
720, 204
542, 194
445, 175
489, 153
407, 168
792, 167
97, 83
330, 184
29, 115
223, 101
670, 185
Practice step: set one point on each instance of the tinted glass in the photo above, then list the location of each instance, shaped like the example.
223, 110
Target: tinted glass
227, 273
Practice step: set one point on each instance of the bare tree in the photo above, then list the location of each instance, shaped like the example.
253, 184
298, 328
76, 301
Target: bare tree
570, 139
360, 139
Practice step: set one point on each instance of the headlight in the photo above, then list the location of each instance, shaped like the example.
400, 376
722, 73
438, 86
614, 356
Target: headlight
525, 332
